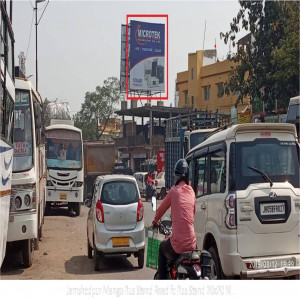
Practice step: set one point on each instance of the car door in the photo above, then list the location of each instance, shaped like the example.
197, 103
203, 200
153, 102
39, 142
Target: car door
201, 173
91, 213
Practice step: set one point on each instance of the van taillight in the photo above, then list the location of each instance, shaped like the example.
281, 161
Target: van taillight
155, 182
230, 203
99, 212
140, 211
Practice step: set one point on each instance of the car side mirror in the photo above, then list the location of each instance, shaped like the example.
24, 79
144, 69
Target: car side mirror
154, 203
88, 202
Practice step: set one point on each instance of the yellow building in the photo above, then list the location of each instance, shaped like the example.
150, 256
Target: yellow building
202, 85
111, 130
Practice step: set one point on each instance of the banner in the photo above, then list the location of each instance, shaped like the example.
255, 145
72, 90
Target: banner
160, 161
147, 56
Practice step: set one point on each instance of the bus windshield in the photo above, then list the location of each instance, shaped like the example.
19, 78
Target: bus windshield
22, 158
64, 149
196, 138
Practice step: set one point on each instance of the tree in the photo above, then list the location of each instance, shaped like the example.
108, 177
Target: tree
268, 67
97, 108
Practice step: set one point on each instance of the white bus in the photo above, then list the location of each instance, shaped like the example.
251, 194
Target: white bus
27, 202
7, 98
65, 172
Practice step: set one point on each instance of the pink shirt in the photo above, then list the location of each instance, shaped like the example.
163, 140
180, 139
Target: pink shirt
181, 199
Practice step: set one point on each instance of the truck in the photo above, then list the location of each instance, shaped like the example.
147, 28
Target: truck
293, 114
99, 158
184, 132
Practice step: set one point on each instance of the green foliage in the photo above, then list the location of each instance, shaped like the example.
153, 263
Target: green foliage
268, 68
98, 107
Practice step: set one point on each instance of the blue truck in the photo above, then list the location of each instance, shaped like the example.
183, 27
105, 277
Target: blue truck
185, 132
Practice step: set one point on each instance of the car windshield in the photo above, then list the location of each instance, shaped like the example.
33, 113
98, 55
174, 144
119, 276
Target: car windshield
22, 158
119, 193
279, 160
64, 149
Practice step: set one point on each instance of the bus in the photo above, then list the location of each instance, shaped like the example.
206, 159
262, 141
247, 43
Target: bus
7, 99
27, 201
64, 160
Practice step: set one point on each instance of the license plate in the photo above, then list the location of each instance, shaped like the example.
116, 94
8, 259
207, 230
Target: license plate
269, 209
63, 196
120, 242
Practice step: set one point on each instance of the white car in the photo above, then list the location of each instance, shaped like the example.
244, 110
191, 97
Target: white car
115, 222
141, 178
160, 185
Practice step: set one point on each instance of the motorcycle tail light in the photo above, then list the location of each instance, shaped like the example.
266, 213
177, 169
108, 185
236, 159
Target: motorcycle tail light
173, 273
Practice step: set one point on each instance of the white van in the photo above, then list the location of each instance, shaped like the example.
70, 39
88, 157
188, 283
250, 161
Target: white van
141, 178
246, 181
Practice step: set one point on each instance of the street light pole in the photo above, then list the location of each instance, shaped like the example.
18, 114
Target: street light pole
36, 49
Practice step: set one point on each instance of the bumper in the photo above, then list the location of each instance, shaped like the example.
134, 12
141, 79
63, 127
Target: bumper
103, 239
271, 267
22, 226
53, 195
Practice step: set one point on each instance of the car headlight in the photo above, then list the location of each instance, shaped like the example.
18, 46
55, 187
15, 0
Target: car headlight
18, 202
27, 200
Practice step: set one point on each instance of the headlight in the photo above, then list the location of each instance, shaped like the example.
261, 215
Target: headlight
78, 184
27, 200
49, 183
18, 202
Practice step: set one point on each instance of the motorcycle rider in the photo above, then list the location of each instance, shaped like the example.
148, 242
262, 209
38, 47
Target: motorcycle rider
181, 199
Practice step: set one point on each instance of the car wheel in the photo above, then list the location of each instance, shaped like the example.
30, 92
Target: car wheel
77, 208
141, 258
216, 268
162, 193
90, 250
27, 252
96, 259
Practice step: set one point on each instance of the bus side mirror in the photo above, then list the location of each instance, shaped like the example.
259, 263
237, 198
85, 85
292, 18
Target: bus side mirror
154, 203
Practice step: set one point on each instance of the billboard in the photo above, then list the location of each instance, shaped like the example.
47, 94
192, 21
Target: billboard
147, 56
123, 57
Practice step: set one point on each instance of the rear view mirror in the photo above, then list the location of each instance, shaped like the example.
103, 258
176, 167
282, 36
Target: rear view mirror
153, 201
88, 202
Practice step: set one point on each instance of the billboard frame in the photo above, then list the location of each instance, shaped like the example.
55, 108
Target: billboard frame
127, 59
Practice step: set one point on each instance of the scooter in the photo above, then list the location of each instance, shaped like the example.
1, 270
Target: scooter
194, 265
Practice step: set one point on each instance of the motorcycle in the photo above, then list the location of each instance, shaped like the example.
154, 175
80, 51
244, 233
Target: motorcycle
194, 265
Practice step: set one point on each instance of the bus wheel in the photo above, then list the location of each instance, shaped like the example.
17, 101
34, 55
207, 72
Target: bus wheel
48, 208
77, 207
27, 252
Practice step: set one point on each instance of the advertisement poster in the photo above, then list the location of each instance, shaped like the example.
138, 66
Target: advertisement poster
147, 56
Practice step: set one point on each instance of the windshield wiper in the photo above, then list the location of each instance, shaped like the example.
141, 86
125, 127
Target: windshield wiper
263, 174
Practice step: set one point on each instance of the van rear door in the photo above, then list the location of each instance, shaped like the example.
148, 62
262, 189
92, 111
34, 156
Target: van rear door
267, 206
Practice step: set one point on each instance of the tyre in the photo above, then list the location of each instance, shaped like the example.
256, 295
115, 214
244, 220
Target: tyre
90, 250
27, 252
48, 209
77, 208
156, 276
162, 194
216, 268
141, 258
96, 259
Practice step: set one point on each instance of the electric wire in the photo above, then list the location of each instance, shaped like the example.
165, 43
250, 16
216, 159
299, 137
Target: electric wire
30, 33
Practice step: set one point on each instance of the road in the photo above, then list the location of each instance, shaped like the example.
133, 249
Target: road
63, 253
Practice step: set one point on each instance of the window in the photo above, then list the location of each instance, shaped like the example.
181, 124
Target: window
192, 73
9, 118
206, 92
1, 111
220, 90
235, 92
217, 172
201, 176
192, 101
186, 98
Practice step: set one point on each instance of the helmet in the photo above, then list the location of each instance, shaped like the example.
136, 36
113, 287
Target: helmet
181, 171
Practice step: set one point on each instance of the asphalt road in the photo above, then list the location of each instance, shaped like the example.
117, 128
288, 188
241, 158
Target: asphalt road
63, 253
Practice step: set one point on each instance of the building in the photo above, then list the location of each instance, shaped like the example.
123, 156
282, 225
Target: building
201, 87
110, 130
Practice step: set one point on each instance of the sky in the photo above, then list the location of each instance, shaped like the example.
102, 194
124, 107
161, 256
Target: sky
79, 42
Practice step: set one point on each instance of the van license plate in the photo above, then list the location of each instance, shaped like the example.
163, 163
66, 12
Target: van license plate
269, 209
63, 196
120, 242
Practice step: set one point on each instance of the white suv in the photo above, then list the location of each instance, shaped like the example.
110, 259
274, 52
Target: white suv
115, 222
246, 181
